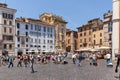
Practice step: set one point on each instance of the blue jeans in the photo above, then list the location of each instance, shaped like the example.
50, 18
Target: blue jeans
108, 61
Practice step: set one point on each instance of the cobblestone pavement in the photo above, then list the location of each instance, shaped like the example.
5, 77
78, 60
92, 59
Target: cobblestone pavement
60, 72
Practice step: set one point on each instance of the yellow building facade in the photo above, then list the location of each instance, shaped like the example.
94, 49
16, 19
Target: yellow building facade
91, 35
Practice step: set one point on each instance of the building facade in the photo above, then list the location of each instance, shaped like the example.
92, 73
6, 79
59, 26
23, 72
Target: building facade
60, 29
107, 26
71, 40
91, 34
7, 24
116, 28
33, 35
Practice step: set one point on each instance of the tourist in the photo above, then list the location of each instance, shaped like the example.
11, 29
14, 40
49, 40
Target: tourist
10, 59
74, 58
32, 63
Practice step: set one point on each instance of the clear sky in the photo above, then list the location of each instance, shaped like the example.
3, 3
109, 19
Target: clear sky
75, 12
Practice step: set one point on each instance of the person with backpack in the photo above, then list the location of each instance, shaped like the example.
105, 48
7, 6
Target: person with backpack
10, 59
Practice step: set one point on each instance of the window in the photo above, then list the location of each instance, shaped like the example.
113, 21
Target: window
26, 33
35, 27
10, 30
94, 29
80, 34
4, 29
4, 15
44, 41
89, 44
18, 39
5, 46
26, 45
51, 41
26, 39
7, 38
10, 22
80, 45
47, 41
39, 28
5, 22
51, 30
80, 40
44, 35
62, 30
43, 46
69, 41
39, 41
51, 47
26, 27
84, 33
31, 26
31, 40
18, 25
80, 29
89, 39
35, 40
100, 28
10, 16
18, 45
110, 24
100, 41
94, 35
100, 34
94, 42
48, 29
44, 29
31, 45
10, 46
48, 35
84, 40
85, 29
89, 32
18, 33
51, 35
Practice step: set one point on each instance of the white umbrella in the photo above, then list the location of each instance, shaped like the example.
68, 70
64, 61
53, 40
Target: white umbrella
104, 47
85, 49
93, 50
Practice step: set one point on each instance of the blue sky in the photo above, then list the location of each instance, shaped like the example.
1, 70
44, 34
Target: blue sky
75, 12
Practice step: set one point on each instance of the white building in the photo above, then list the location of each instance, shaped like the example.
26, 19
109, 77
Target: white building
107, 26
7, 23
116, 28
33, 35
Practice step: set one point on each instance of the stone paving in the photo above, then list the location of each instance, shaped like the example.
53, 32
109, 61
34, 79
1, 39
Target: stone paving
60, 72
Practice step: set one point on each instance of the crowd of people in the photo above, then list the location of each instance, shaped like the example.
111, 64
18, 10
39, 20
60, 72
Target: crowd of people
59, 58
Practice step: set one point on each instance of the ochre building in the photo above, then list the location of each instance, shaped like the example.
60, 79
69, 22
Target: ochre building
71, 40
91, 34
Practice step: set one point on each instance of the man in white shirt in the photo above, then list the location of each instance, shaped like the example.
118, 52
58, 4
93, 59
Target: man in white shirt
74, 58
108, 56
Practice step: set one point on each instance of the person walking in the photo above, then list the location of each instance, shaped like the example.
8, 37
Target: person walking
79, 57
32, 63
10, 59
94, 59
25, 61
108, 56
118, 63
74, 58
19, 61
